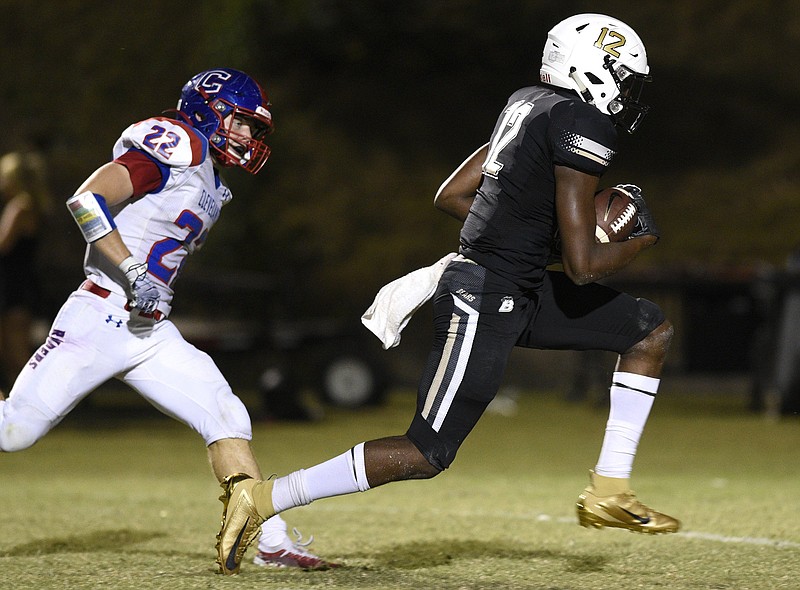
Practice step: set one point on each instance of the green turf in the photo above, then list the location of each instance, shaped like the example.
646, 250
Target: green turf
115, 504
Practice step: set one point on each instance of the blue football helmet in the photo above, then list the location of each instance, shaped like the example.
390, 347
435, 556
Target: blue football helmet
216, 102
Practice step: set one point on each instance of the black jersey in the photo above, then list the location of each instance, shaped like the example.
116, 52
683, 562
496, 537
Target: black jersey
511, 223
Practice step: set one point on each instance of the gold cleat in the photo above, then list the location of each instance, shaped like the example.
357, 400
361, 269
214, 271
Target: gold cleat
622, 511
241, 522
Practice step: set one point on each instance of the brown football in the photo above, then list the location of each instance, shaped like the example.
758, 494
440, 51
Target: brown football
616, 215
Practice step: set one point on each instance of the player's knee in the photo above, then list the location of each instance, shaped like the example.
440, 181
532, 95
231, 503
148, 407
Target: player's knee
663, 334
434, 464
438, 455
650, 315
14, 439
660, 329
16, 435
227, 420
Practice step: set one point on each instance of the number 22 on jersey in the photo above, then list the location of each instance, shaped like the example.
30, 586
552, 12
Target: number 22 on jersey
157, 259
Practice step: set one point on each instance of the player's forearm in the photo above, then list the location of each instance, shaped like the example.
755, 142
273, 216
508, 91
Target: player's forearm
457, 193
602, 260
112, 247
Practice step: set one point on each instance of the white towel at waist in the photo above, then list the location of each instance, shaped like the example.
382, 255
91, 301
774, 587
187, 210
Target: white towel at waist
397, 301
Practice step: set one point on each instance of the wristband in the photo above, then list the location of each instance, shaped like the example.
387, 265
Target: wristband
126, 264
92, 215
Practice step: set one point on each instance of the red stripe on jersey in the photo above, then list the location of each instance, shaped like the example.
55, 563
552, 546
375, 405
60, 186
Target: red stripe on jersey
145, 173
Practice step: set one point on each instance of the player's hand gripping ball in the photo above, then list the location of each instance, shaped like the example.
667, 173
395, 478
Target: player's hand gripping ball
616, 215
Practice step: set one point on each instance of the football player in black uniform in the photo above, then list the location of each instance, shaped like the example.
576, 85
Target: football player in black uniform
535, 178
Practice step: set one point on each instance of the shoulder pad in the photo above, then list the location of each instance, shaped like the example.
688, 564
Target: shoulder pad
171, 142
582, 137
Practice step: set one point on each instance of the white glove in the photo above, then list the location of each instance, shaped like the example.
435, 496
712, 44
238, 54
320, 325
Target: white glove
145, 295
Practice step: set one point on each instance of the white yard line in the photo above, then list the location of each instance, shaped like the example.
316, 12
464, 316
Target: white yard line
539, 517
777, 543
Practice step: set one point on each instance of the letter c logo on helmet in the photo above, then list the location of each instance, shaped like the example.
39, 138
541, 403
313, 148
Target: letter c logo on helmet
211, 82
220, 102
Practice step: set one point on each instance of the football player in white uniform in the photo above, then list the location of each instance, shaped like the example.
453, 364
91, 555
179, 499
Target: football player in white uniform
142, 214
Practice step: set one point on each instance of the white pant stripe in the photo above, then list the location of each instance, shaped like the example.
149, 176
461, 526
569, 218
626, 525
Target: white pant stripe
469, 320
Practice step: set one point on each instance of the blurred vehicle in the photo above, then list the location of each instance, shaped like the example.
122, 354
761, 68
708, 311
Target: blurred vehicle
262, 344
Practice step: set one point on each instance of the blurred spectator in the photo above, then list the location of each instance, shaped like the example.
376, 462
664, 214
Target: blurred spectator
25, 200
787, 353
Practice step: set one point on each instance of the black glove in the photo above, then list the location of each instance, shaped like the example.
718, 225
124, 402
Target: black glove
145, 295
645, 224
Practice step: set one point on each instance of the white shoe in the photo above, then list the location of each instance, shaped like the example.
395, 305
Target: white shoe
293, 554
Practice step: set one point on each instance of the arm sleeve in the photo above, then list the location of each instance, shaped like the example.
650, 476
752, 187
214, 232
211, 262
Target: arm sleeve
147, 174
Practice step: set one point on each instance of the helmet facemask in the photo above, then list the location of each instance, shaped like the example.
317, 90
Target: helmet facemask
236, 149
625, 109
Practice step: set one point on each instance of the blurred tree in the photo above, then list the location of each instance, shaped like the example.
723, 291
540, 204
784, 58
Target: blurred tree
375, 104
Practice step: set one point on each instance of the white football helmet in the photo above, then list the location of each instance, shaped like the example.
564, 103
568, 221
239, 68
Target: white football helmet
602, 59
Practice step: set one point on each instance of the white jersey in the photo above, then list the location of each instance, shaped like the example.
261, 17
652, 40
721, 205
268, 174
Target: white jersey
164, 226
94, 338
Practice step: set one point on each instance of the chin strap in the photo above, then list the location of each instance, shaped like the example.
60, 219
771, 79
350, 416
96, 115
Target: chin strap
585, 93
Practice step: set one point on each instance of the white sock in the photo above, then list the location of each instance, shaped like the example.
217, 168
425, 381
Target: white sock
632, 396
344, 474
273, 534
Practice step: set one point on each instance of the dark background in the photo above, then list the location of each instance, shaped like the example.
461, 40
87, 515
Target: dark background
377, 102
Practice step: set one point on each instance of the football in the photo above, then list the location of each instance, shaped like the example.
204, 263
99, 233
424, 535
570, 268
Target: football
616, 215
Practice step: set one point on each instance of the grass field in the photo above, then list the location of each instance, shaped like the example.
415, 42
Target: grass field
131, 504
